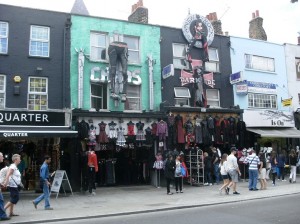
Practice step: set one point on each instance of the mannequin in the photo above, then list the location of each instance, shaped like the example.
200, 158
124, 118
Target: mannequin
162, 132
179, 128
112, 130
198, 130
102, 138
140, 136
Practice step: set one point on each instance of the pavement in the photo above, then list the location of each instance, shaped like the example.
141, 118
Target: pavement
124, 200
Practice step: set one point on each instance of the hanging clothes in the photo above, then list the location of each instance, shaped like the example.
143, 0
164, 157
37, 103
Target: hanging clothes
112, 130
102, 138
179, 129
232, 130
171, 130
225, 130
130, 128
218, 138
198, 131
162, 132
205, 133
140, 136
189, 130
83, 129
154, 128
211, 127
241, 132
92, 135
149, 139
121, 139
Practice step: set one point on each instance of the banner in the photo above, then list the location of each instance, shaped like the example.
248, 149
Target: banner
185, 77
209, 79
196, 63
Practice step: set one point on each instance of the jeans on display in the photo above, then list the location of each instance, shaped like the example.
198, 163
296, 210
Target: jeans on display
253, 175
118, 50
45, 196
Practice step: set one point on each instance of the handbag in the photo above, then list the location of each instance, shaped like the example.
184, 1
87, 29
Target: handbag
19, 186
183, 171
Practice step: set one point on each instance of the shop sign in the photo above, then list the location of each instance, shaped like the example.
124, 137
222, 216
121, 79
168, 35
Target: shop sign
236, 78
15, 134
32, 118
261, 87
268, 118
168, 71
287, 102
241, 88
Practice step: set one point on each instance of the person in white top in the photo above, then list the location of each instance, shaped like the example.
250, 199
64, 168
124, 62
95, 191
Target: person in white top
224, 173
13, 179
233, 170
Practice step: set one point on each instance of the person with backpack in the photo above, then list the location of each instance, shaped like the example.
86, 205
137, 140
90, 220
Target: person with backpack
3, 215
13, 180
169, 172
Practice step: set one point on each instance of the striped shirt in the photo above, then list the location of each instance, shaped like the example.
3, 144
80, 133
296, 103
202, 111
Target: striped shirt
253, 161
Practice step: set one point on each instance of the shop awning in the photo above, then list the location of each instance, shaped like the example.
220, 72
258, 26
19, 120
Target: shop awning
276, 132
36, 131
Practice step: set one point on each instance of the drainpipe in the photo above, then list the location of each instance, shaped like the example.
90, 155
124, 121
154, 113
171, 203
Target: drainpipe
151, 62
66, 28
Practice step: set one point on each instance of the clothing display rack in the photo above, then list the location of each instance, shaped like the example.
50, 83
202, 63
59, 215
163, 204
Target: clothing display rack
195, 164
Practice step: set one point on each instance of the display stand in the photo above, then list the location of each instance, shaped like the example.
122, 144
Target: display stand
195, 164
60, 179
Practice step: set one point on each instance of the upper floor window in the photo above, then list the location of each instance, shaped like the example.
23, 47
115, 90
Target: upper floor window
3, 37
179, 56
38, 93
2, 91
133, 44
297, 61
39, 41
260, 63
98, 46
262, 100
213, 64
182, 96
99, 96
213, 97
299, 98
133, 101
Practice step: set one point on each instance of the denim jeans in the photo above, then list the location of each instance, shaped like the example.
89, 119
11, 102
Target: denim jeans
216, 172
45, 196
2, 211
253, 175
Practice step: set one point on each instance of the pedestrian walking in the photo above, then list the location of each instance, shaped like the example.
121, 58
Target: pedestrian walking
207, 169
293, 162
216, 164
13, 179
178, 175
224, 174
169, 172
233, 170
253, 161
280, 165
3, 215
44, 184
92, 170
262, 172
273, 162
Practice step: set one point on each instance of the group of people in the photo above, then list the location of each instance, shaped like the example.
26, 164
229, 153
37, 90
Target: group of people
11, 179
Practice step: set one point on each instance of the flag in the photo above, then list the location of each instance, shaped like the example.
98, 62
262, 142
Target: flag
185, 77
209, 79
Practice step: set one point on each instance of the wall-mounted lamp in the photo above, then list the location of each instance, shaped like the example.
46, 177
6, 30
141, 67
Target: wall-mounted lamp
17, 78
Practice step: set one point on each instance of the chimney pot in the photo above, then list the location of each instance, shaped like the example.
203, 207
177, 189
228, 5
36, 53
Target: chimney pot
226, 33
253, 15
257, 13
215, 16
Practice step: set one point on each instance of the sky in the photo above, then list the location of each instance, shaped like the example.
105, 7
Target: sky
281, 18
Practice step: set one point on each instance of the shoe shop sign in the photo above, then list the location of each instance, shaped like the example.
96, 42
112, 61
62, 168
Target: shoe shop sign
32, 118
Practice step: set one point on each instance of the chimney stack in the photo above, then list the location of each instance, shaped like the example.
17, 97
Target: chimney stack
139, 14
217, 24
256, 30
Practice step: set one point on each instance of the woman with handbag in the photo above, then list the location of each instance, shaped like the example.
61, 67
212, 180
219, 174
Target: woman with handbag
178, 174
13, 180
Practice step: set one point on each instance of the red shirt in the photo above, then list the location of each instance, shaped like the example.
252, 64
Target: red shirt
92, 160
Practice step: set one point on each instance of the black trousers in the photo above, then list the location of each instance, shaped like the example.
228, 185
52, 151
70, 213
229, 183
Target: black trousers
168, 184
178, 182
91, 178
118, 51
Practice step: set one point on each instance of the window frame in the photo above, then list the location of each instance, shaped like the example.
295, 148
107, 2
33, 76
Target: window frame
218, 100
3, 91
249, 58
179, 57
31, 39
37, 93
297, 65
138, 50
256, 98
179, 99
104, 47
5, 37
103, 98
127, 103
213, 62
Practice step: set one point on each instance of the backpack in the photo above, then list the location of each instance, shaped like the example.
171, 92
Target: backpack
3, 173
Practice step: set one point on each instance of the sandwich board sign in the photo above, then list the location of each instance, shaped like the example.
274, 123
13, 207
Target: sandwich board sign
60, 180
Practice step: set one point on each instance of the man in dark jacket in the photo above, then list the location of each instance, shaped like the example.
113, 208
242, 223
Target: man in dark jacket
169, 172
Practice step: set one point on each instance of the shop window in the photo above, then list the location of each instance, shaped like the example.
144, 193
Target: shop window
99, 96
133, 44
3, 37
39, 41
37, 93
259, 63
262, 101
213, 97
297, 61
213, 64
2, 91
179, 56
98, 43
133, 101
182, 96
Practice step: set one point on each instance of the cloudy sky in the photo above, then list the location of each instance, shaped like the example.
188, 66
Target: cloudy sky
281, 18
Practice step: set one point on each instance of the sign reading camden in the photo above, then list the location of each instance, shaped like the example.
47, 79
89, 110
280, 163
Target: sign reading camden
188, 29
32, 118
